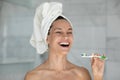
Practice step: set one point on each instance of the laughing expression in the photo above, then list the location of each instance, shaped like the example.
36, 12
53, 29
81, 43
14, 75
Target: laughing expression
61, 36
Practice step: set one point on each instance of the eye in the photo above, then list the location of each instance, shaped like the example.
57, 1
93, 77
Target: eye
58, 32
69, 32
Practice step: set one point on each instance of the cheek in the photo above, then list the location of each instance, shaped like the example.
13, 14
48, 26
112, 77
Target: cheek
53, 39
71, 38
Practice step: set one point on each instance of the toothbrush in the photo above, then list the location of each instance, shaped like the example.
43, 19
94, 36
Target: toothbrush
84, 55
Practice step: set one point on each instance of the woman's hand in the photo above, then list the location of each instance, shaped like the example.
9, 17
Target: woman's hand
97, 67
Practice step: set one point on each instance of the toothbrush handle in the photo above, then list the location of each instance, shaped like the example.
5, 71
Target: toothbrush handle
91, 56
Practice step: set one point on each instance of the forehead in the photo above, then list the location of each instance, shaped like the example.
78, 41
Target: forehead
61, 23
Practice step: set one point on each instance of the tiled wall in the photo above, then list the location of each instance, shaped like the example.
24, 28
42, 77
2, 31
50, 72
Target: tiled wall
96, 29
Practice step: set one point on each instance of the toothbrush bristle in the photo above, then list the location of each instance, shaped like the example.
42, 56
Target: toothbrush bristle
103, 57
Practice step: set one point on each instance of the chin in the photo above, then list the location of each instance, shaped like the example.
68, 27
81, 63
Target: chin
65, 52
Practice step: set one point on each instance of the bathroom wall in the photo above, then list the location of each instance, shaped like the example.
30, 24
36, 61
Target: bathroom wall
96, 29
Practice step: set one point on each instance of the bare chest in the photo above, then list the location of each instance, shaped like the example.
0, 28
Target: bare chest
59, 76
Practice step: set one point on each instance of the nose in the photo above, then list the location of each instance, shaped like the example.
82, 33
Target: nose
65, 36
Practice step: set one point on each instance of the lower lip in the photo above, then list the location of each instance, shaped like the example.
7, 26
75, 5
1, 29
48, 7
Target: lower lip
64, 47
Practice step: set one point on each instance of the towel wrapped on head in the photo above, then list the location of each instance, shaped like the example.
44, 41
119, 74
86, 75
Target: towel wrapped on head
44, 17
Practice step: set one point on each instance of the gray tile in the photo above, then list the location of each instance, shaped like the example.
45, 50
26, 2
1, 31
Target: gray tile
1, 4
1, 55
1, 28
22, 2
17, 19
75, 54
14, 71
113, 23
113, 55
85, 9
18, 48
20, 26
113, 7
85, 21
112, 70
113, 43
89, 37
84, 1
12, 10
75, 57
1, 49
35, 3
113, 49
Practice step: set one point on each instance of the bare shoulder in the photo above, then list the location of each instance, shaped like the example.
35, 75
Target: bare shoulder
34, 74
82, 72
31, 75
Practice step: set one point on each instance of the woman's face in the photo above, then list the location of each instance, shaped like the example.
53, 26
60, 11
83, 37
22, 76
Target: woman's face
61, 36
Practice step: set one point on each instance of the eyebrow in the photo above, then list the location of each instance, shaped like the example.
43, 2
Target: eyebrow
61, 29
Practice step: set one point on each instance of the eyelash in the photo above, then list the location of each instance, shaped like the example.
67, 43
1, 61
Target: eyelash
61, 32
69, 32
58, 32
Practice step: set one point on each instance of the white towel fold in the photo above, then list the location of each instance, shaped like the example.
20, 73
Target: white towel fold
44, 16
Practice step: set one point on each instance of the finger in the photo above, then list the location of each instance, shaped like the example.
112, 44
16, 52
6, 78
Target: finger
92, 59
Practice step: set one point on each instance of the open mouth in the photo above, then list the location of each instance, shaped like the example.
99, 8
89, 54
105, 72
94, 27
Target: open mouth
64, 44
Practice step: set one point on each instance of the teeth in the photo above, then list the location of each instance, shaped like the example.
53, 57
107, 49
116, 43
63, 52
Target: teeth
64, 43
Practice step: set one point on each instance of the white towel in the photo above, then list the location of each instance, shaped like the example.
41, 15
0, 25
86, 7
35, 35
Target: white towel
44, 16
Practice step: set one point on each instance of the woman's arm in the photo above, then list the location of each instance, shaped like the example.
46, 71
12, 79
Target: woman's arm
97, 67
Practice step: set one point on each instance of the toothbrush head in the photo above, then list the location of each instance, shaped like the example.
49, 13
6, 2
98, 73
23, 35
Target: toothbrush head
103, 57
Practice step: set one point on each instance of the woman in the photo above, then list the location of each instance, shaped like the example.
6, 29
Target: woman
59, 40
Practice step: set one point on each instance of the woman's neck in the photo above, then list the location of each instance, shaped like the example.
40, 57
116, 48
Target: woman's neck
57, 62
